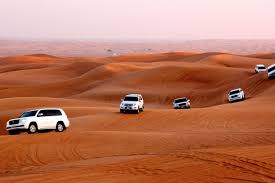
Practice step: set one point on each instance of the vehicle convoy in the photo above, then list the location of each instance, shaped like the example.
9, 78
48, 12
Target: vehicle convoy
271, 71
182, 103
132, 102
260, 68
39, 119
236, 95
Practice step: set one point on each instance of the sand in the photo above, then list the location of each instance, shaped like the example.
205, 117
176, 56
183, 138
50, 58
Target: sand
214, 141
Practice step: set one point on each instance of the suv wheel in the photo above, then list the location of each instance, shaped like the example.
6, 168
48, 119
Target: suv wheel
142, 109
32, 128
60, 127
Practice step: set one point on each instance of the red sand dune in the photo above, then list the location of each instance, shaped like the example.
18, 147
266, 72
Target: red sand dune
212, 142
264, 55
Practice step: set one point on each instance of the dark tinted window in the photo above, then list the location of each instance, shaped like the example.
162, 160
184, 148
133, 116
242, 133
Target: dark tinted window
131, 99
28, 114
234, 92
271, 69
49, 113
261, 67
181, 100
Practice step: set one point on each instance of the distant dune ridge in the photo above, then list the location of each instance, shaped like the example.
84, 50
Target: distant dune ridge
212, 142
113, 48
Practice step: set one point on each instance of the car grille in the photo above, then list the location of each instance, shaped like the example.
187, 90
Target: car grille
14, 122
234, 96
183, 104
128, 105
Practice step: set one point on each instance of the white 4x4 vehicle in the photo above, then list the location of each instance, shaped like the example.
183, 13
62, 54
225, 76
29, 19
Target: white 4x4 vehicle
271, 71
132, 102
182, 103
235, 95
39, 119
260, 68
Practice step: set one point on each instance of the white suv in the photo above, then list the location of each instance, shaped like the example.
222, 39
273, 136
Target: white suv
182, 103
260, 68
132, 102
235, 95
39, 119
271, 71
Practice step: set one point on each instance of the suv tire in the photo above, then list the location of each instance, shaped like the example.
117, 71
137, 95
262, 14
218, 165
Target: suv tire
32, 128
60, 127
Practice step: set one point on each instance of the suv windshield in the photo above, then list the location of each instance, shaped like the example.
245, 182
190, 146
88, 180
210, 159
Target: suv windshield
131, 99
28, 114
234, 92
181, 100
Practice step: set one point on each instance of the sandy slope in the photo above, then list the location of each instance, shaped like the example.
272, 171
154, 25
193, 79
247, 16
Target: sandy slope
213, 142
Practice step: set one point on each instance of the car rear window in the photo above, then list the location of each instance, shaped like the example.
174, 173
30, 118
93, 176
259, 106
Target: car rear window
261, 67
50, 113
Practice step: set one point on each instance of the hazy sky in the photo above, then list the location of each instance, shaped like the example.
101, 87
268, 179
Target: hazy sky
137, 19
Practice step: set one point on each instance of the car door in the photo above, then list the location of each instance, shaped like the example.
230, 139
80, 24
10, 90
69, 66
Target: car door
42, 119
53, 118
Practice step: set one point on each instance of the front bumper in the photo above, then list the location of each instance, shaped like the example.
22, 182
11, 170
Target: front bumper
232, 99
182, 106
271, 76
16, 127
133, 108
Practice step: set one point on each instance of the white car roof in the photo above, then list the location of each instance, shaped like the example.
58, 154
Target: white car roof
45, 109
237, 89
273, 65
260, 65
181, 98
133, 95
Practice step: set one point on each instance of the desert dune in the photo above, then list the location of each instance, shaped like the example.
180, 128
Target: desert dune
214, 141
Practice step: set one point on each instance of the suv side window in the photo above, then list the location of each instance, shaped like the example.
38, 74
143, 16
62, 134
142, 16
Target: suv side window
55, 113
271, 69
44, 113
